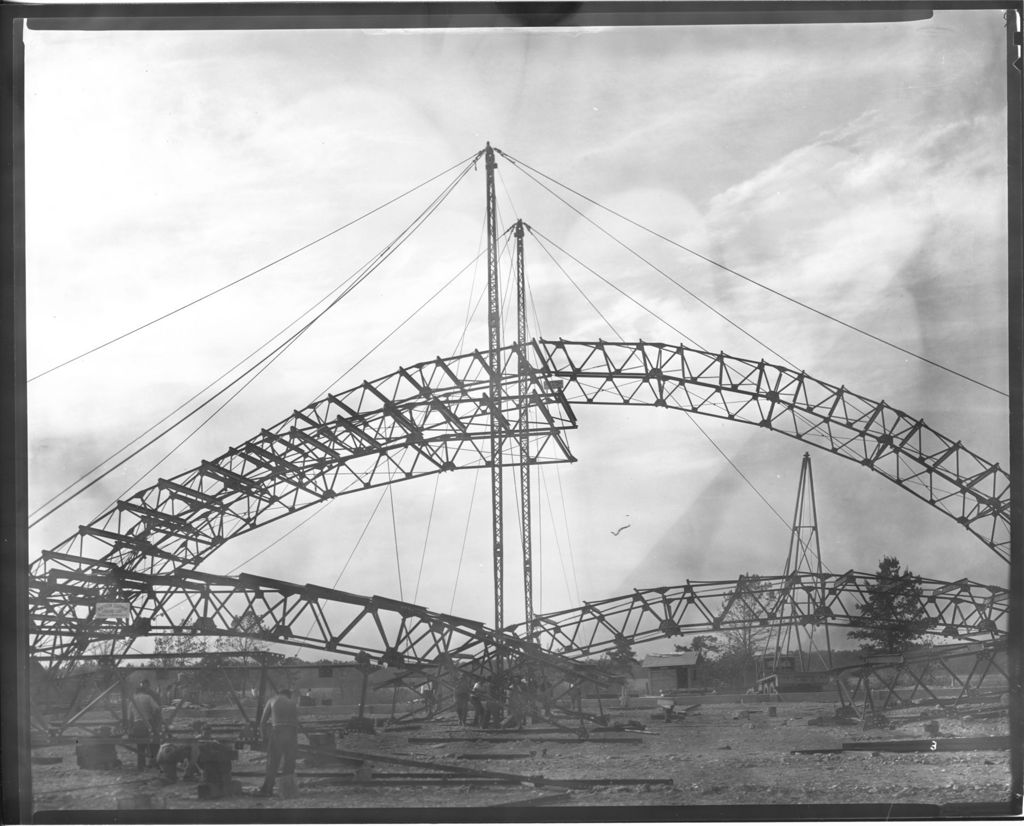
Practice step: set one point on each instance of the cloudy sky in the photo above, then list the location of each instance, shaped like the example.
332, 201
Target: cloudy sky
858, 168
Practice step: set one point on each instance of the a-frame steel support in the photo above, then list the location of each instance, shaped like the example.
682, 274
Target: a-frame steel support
804, 546
804, 556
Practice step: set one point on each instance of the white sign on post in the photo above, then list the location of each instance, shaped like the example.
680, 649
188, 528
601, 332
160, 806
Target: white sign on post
112, 610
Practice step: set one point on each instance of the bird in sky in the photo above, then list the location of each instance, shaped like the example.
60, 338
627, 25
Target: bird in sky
620, 530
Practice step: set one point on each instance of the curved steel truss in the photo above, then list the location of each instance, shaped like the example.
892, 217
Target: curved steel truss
394, 633
962, 610
437, 416
429, 418
903, 449
400, 633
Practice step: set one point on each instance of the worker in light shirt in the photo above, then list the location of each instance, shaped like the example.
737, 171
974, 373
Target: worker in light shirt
280, 727
145, 722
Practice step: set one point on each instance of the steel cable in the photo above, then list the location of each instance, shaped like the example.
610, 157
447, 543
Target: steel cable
662, 273
265, 267
746, 278
355, 280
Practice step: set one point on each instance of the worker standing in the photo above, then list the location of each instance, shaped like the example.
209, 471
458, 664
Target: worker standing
492, 705
478, 697
462, 688
280, 727
518, 705
145, 721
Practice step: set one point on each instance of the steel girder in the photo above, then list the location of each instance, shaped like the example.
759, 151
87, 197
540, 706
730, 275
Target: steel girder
395, 633
437, 416
402, 633
892, 673
961, 610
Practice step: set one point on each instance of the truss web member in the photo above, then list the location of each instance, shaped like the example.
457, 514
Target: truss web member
280, 727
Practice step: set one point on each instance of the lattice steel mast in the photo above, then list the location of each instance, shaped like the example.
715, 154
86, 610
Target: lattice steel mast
524, 433
804, 548
804, 556
494, 366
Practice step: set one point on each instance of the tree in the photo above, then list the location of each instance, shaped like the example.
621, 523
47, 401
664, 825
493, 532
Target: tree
619, 662
622, 659
177, 651
706, 645
893, 617
745, 617
184, 652
243, 677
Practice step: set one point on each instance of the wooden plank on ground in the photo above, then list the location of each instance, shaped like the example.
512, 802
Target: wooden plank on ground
590, 782
543, 800
600, 740
816, 751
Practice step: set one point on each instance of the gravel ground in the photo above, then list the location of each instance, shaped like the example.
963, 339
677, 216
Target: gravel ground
719, 755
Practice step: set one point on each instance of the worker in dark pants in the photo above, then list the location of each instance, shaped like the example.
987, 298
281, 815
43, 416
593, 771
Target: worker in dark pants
145, 722
492, 706
518, 705
462, 689
280, 727
478, 697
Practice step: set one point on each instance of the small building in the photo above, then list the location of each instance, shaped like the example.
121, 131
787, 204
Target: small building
668, 673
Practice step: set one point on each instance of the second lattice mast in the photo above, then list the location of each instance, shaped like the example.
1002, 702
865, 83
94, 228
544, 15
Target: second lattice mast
804, 547
789, 649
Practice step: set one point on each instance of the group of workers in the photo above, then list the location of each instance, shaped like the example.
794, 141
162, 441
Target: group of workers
279, 727
484, 697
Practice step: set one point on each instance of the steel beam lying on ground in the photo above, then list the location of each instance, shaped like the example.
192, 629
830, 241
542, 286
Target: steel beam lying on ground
997, 743
526, 735
542, 800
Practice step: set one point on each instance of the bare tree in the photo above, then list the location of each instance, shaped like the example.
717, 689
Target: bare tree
746, 617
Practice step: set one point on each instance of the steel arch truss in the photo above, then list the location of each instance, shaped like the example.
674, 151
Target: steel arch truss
962, 610
400, 633
394, 633
429, 418
903, 449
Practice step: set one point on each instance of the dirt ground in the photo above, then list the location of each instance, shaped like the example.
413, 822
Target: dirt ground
725, 753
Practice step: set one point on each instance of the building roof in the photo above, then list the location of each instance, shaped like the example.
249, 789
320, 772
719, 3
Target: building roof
671, 660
